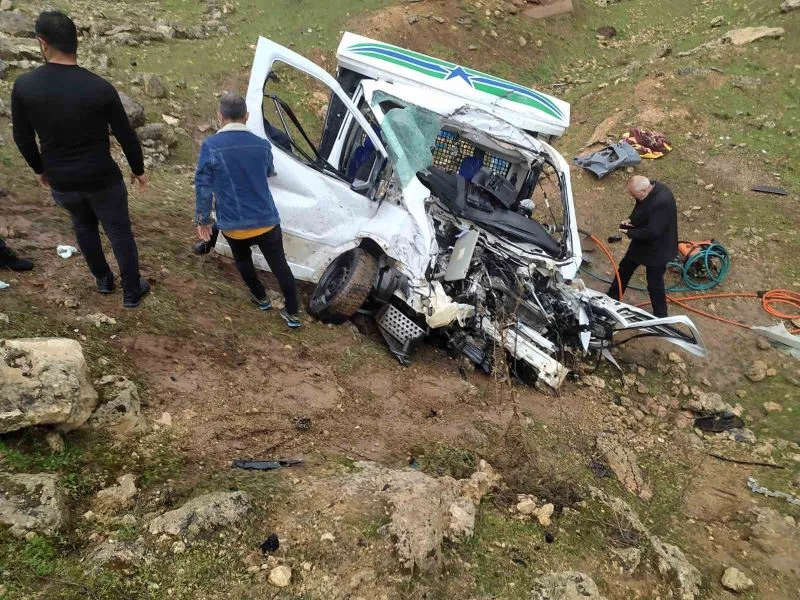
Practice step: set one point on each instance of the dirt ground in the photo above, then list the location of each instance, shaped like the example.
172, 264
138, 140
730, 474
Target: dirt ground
237, 384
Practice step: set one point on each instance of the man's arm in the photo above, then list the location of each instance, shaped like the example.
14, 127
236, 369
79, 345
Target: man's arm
126, 136
24, 133
656, 225
203, 186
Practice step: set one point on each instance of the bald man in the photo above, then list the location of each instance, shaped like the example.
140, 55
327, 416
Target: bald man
653, 231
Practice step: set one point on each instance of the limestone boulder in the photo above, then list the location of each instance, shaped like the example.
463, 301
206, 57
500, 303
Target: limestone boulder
203, 514
32, 503
44, 381
120, 410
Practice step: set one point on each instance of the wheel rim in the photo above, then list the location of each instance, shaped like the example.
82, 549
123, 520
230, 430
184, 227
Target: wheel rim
333, 283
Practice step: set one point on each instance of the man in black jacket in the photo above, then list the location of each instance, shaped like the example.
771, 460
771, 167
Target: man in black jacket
71, 109
653, 230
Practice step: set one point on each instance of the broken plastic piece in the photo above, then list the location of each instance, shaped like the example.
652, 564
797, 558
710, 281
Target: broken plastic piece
66, 251
4, 285
271, 544
266, 465
759, 489
768, 189
610, 158
719, 422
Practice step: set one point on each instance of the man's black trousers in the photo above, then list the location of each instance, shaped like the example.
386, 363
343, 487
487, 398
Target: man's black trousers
271, 246
655, 284
109, 208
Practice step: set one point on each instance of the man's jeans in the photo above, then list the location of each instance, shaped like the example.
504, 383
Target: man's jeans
655, 284
271, 246
108, 207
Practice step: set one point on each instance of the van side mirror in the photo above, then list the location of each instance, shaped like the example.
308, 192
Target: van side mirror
367, 186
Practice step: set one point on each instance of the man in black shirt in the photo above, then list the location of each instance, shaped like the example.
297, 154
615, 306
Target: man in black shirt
71, 109
653, 230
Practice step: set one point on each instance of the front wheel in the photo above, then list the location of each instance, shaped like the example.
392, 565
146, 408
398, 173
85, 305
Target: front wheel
344, 287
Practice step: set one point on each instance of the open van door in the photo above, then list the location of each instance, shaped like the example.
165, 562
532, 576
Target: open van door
322, 206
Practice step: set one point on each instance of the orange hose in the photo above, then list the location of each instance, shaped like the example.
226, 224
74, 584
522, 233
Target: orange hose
769, 299
610, 257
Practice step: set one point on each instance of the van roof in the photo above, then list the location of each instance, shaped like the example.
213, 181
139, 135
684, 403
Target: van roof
526, 108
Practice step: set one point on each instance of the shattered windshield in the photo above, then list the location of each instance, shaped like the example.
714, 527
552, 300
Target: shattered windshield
410, 133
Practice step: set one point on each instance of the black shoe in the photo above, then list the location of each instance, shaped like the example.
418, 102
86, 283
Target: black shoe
202, 247
10, 260
135, 300
105, 284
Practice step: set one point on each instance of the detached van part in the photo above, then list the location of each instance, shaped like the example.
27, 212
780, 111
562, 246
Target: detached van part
428, 194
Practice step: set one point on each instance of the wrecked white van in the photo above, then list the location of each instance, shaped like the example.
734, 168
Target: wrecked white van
428, 195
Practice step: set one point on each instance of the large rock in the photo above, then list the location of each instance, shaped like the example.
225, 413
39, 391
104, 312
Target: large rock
157, 132
203, 513
15, 49
16, 25
790, 5
426, 510
622, 461
133, 109
747, 35
736, 581
154, 87
44, 381
567, 585
117, 554
120, 409
32, 503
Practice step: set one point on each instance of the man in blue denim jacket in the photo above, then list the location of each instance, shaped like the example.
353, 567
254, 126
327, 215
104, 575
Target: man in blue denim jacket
232, 173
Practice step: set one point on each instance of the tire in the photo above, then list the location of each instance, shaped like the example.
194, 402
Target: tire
344, 286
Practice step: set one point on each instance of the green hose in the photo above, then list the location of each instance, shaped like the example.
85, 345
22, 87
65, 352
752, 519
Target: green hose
704, 270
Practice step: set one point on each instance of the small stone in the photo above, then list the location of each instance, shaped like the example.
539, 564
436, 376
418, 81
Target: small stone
757, 371
154, 87
717, 21
544, 513
736, 581
526, 506
280, 576
165, 420
178, 547
128, 520
674, 358
327, 537
790, 5
763, 344
642, 388
771, 372
55, 441
709, 187
6, 5
522, 41
770, 407
740, 393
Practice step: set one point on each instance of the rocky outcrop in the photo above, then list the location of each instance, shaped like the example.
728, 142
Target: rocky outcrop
119, 411
117, 554
622, 461
426, 510
32, 503
44, 381
16, 25
567, 585
133, 109
203, 513
670, 561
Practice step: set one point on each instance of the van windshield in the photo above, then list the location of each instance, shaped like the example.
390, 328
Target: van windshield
410, 133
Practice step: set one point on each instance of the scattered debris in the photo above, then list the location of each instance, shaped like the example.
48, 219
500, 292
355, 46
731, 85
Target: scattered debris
767, 189
66, 251
32, 503
203, 513
45, 382
271, 544
266, 465
4, 285
719, 422
609, 159
736, 581
752, 483
648, 144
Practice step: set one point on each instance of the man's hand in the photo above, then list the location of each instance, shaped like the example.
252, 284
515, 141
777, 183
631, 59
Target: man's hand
204, 231
140, 179
43, 182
